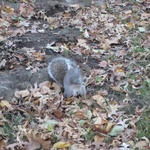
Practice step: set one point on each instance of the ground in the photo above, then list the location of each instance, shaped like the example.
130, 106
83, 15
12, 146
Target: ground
112, 38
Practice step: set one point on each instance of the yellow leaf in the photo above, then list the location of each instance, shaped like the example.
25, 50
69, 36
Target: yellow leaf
2, 143
109, 126
98, 138
5, 103
131, 25
9, 9
106, 46
61, 145
119, 69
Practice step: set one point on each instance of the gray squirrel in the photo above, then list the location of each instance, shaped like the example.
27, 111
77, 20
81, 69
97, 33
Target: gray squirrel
69, 75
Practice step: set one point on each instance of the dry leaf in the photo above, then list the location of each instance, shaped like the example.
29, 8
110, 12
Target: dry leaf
82, 43
98, 138
100, 121
61, 145
106, 45
23, 93
109, 126
103, 64
131, 25
5, 103
79, 115
58, 114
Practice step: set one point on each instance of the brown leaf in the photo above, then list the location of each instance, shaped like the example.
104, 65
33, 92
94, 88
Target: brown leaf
98, 138
82, 43
38, 55
56, 87
100, 100
106, 45
45, 83
36, 140
142, 143
113, 40
121, 53
79, 115
109, 126
58, 114
69, 100
103, 64
2, 143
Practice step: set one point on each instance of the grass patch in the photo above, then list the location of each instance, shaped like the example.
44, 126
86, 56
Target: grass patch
88, 134
9, 131
144, 124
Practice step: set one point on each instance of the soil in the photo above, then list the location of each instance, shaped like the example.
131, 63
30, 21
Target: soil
14, 75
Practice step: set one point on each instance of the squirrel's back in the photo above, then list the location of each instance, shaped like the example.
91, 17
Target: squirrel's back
58, 68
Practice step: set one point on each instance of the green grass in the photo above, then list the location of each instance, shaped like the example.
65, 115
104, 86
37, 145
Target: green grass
88, 134
141, 95
143, 126
9, 131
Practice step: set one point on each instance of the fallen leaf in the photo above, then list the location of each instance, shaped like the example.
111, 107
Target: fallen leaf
141, 29
22, 93
3, 63
5, 103
103, 64
2, 38
83, 43
100, 121
89, 114
109, 126
61, 145
131, 25
86, 34
58, 114
99, 99
116, 130
142, 143
79, 115
124, 146
98, 138
106, 45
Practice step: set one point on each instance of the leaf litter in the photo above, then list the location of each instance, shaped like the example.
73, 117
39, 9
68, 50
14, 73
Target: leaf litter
39, 117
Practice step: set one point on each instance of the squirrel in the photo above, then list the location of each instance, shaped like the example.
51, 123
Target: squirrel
69, 75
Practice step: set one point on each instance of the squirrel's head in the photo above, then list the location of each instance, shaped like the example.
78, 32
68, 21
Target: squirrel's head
85, 71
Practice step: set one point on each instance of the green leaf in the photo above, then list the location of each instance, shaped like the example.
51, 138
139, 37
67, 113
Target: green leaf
82, 122
89, 114
49, 124
21, 18
99, 79
141, 29
116, 130
148, 81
